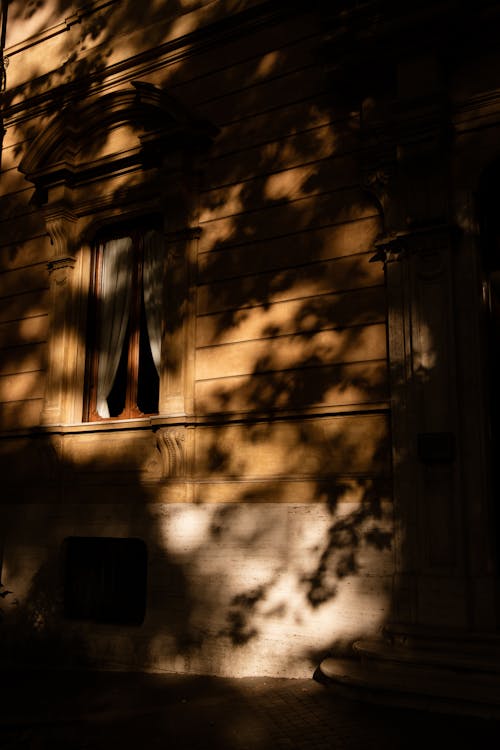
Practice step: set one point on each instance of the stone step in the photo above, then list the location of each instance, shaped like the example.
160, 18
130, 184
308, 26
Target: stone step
422, 637
414, 685
461, 661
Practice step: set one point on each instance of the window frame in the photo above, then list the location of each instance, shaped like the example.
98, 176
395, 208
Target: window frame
132, 342
81, 191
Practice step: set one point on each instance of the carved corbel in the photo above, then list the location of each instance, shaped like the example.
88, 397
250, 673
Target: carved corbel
389, 250
377, 182
425, 245
61, 224
59, 269
61, 230
381, 179
170, 442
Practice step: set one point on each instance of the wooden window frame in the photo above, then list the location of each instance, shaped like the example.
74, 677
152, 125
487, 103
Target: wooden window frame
132, 340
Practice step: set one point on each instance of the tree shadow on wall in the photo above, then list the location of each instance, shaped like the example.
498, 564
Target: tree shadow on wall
80, 501
292, 373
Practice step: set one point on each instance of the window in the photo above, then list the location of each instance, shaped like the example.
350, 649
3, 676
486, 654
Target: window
156, 178
125, 326
105, 579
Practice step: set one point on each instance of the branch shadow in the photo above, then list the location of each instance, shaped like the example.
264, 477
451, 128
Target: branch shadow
297, 421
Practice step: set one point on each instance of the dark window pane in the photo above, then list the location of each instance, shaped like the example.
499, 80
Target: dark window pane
135, 389
148, 385
118, 393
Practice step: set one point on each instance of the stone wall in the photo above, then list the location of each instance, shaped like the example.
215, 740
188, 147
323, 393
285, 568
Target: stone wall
265, 502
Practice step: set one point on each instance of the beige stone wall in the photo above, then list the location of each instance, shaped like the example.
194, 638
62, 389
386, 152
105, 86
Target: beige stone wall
231, 590
272, 542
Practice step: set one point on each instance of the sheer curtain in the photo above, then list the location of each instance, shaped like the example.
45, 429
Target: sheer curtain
115, 292
154, 252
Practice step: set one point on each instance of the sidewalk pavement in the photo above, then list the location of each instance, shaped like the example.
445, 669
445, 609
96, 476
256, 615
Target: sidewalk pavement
81, 710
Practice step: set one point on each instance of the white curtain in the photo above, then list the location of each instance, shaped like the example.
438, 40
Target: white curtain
115, 291
154, 253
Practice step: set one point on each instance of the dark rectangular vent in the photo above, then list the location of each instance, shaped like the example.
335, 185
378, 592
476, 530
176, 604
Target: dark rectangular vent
105, 579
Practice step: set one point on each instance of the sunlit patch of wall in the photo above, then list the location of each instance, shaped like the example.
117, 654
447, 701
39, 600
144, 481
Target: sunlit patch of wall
258, 606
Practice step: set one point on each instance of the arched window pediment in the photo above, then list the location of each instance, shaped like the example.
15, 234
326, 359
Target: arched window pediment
132, 127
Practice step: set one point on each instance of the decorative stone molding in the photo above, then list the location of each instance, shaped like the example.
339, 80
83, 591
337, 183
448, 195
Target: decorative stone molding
57, 163
378, 180
389, 250
425, 244
59, 269
170, 442
161, 162
61, 224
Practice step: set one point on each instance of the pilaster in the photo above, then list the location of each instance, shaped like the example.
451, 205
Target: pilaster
439, 601
64, 270
177, 372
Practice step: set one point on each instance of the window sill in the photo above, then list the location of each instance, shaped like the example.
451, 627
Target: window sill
157, 421
108, 425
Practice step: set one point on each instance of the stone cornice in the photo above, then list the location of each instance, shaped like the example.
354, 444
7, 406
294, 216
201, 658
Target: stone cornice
157, 422
51, 31
147, 61
396, 246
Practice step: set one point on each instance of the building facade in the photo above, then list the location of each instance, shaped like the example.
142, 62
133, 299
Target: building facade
248, 299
